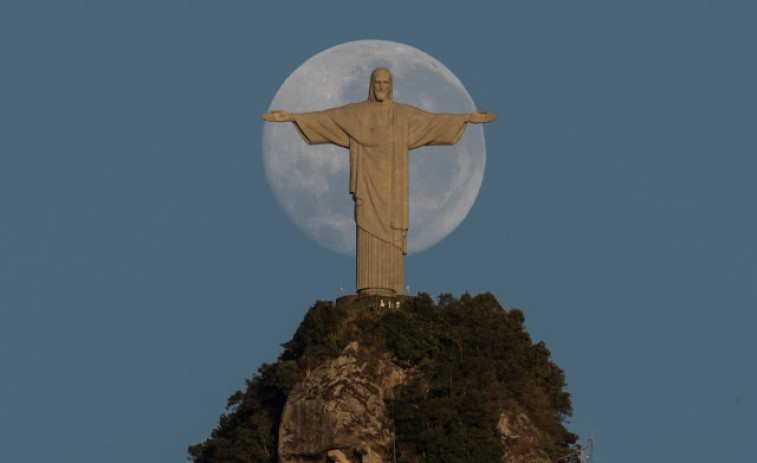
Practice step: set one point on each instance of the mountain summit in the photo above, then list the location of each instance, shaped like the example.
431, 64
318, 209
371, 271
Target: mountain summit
404, 379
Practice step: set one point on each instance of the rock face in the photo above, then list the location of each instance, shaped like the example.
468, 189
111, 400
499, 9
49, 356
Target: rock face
338, 414
519, 431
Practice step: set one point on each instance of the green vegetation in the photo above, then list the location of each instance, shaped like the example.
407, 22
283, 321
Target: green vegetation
473, 360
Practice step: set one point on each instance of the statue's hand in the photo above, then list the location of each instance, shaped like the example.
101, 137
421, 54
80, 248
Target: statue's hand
277, 115
480, 117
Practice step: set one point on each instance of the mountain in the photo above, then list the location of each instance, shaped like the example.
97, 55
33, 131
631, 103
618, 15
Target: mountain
401, 379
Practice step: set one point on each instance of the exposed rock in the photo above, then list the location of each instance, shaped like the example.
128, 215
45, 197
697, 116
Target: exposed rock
532, 456
337, 456
368, 455
518, 432
339, 412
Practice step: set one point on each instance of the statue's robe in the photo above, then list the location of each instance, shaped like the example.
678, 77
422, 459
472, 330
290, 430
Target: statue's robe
379, 136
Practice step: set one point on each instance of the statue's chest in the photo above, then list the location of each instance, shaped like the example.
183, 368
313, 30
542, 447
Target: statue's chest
378, 120
377, 128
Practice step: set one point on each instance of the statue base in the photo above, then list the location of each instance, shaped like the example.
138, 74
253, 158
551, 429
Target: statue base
376, 301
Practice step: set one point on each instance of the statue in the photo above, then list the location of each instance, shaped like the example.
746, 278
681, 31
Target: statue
379, 133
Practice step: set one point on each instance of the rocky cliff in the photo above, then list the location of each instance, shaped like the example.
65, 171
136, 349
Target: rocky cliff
339, 410
372, 381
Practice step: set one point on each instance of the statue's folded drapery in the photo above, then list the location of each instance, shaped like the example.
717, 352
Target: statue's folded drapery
379, 136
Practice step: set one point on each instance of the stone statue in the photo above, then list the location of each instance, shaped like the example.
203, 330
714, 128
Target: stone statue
379, 133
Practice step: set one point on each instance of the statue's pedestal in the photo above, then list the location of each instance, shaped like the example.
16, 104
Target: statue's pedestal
376, 302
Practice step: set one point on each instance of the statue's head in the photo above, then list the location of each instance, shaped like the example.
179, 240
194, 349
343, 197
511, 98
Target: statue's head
381, 86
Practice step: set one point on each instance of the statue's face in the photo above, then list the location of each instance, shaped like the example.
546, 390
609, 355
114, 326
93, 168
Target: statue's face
382, 85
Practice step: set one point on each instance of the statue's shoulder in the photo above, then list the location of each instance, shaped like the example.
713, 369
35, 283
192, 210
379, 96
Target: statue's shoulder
406, 108
355, 105
349, 108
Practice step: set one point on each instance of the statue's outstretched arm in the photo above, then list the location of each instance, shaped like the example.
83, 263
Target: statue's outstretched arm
481, 117
277, 115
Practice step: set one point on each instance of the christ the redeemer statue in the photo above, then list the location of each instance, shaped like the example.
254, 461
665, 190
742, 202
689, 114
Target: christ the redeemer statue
379, 133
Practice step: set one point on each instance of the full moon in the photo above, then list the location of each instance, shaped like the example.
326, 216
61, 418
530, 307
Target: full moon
311, 182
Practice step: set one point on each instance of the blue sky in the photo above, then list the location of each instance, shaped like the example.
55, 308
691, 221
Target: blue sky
146, 269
